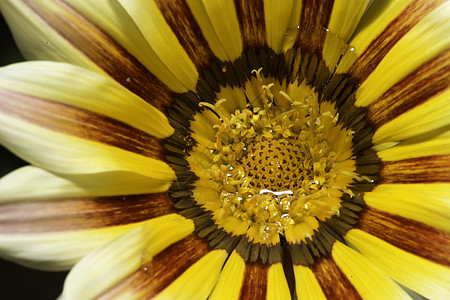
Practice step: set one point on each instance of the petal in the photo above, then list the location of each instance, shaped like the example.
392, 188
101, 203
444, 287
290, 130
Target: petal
277, 287
420, 275
73, 140
333, 282
37, 40
432, 114
34, 183
426, 203
127, 254
370, 282
88, 90
230, 281
424, 169
198, 281
59, 232
183, 24
344, 18
185, 269
97, 35
243, 280
306, 284
59, 250
276, 15
382, 26
434, 143
418, 238
162, 40
251, 18
427, 40
219, 24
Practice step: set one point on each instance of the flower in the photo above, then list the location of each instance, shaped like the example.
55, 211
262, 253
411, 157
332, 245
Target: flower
188, 149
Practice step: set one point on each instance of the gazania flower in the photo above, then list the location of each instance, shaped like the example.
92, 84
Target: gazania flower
230, 149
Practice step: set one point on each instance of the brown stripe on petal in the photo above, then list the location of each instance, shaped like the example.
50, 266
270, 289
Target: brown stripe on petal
419, 86
81, 213
316, 13
425, 169
183, 24
63, 118
409, 235
106, 53
163, 269
334, 283
254, 285
251, 19
314, 17
394, 31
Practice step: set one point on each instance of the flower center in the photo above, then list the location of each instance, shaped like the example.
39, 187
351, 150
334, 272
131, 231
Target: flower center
272, 158
281, 163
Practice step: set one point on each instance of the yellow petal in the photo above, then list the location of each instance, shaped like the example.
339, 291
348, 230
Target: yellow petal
220, 26
187, 268
78, 87
66, 154
231, 278
198, 281
306, 284
163, 42
384, 23
426, 203
420, 275
35, 183
294, 19
376, 20
31, 231
424, 41
370, 282
56, 250
434, 143
123, 256
344, 18
407, 234
276, 16
88, 34
37, 40
240, 279
424, 118
277, 287
72, 140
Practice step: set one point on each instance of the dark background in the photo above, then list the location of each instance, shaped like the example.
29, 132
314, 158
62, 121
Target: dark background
17, 282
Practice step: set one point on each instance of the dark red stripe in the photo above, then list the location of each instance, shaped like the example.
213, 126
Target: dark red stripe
416, 88
334, 283
393, 32
183, 24
81, 213
409, 235
163, 269
316, 13
314, 18
426, 169
106, 53
252, 22
63, 118
254, 285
